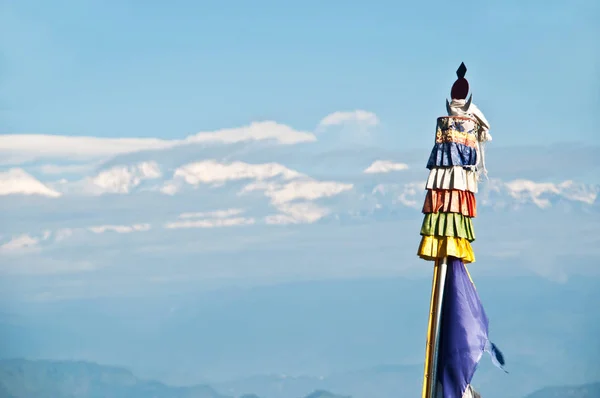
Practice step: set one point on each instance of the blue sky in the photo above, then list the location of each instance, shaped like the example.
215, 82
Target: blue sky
378, 72
91, 220
152, 69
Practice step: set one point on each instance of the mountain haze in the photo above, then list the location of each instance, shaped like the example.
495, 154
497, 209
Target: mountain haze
582, 391
65, 379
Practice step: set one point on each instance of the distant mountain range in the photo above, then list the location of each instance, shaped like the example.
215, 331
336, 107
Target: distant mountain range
173, 263
281, 185
288, 340
64, 379
147, 201
167, 200
583, 391
45, 379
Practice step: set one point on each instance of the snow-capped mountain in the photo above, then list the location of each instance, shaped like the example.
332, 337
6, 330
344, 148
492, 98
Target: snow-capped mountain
381, 184
17, 181
148, 193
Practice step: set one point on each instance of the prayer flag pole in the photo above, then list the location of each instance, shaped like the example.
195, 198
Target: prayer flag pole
457, 331
435, 316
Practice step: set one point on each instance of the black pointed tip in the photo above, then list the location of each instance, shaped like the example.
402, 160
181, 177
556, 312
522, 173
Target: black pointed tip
461, 71
499, 354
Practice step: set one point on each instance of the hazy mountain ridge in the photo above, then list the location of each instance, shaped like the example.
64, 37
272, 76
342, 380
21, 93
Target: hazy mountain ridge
591, 390
68, 379
325, 394
327, 335
62, 379
21, 378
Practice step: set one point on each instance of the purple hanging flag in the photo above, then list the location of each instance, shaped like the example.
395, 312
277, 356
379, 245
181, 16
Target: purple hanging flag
463, 334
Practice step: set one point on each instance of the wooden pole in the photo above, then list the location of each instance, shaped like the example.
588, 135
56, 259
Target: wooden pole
433, 328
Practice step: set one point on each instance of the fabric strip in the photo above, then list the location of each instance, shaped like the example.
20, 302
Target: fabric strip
462, 124
463, 334
433, 248
448, 154
452, 178
450, 201
448, 224
458, 137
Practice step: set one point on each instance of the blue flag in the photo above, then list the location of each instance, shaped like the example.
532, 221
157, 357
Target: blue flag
463, 334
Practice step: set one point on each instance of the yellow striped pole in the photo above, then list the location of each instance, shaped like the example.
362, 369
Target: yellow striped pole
433, 328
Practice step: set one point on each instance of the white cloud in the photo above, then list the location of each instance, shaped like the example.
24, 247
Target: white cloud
408, 197
170, 188
56, 236
280, 193
52, 169
384, 166
212, 214
120, 179
20, 148
18, 182
256, 131
579, 192
121, 229
62, 234
34, 241
21, 242
211, 171
404, 194
210, 219
297, 213
211, 223
524, 189
538, 193
358, 116
307, 189
29, 147
299, 186
304, 189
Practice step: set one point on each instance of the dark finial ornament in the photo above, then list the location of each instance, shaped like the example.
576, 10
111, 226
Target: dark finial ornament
461, 71
460, 88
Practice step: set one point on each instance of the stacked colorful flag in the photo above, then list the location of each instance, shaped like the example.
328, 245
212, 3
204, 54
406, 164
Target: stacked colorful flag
449, 207
447, 232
